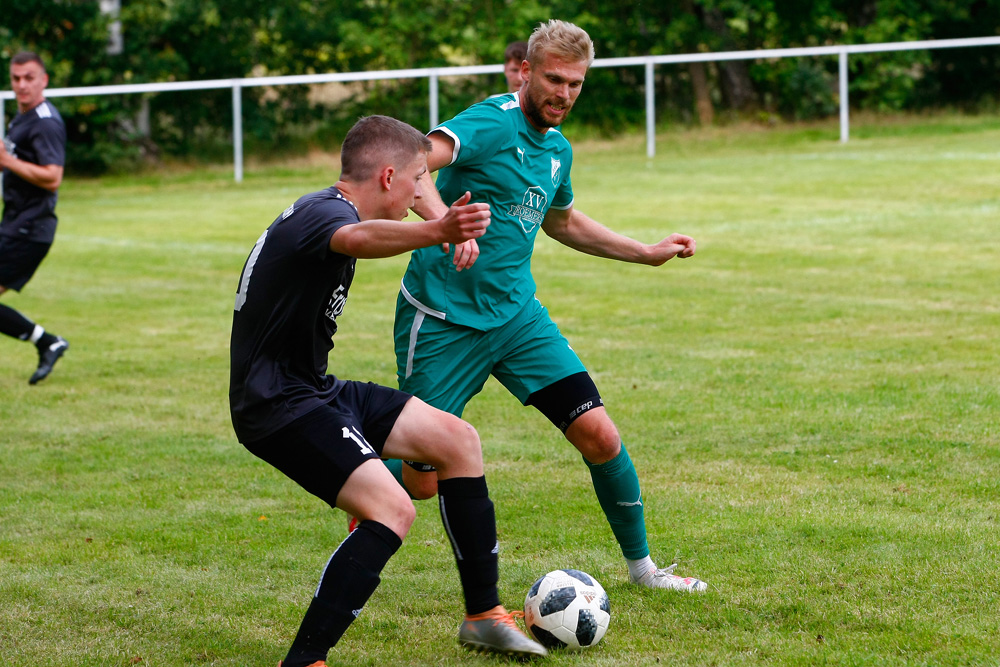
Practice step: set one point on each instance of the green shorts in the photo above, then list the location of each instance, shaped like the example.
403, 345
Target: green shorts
447, 364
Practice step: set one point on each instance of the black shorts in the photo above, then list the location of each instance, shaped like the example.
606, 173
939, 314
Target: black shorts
18, 261
321, 449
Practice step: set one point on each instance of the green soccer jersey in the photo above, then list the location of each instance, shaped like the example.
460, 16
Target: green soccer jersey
521, 173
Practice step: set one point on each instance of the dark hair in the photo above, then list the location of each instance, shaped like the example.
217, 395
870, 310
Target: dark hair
515, 51
377, 141
27, 57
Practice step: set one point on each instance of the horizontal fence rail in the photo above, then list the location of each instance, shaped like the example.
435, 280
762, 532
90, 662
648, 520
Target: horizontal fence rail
433, 74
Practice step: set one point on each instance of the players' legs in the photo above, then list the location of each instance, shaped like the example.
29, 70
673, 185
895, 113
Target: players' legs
18, 262
352, 573
452, 446
427, 350
573, 405
541, 369
332, 452
425, 433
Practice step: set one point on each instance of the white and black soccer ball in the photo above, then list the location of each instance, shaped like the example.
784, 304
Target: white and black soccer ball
567, 609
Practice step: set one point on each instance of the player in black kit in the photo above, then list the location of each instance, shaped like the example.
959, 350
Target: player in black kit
32, 156
327, 434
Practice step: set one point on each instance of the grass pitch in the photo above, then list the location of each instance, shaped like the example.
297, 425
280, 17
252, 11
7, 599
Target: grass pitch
811, 402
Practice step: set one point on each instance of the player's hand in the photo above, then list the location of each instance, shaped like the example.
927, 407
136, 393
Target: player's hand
675, 245
5, 156
463, 224
466, 254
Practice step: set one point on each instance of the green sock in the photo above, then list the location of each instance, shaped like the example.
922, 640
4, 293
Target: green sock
395, 466
617, 488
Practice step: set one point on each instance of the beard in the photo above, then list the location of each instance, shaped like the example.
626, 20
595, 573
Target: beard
533, 110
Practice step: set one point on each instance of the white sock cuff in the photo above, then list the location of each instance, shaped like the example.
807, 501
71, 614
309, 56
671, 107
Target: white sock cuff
637, 568
36, 334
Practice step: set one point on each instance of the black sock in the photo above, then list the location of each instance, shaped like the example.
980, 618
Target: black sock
46, 340
15, 324
349, 579
469, 519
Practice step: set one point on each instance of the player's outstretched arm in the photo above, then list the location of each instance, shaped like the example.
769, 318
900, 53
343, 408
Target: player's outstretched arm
370, 239
430, 205
581, 232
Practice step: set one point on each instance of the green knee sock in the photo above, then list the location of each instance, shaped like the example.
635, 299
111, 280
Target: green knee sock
395, 466
617, 488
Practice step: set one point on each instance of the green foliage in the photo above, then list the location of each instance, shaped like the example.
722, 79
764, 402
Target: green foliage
186, 40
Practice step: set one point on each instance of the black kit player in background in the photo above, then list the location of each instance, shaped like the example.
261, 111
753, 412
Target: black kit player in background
32, 155
327, 434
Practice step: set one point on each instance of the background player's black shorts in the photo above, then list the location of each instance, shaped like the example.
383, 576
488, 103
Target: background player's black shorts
322, 448
18, 261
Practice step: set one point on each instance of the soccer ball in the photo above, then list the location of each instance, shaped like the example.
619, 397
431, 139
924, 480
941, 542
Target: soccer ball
567, 609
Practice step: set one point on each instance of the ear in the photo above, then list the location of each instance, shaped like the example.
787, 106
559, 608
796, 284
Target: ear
525, 70
385, 177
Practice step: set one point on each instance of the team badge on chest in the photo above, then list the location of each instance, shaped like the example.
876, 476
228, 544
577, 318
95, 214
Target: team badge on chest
532, 208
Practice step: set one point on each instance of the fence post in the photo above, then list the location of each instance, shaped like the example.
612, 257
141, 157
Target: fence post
237, 132
433, 102
844, 121
650, 112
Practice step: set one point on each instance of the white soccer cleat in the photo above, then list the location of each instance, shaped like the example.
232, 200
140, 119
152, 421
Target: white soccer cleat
665, 578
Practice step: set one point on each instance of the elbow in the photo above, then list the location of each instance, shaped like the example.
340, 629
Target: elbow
52, 178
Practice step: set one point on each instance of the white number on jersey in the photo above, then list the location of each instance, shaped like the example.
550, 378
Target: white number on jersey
241, 295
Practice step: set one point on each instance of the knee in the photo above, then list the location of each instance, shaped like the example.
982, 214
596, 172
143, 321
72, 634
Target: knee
462, 442
597, 439
398, 514
404, 514
421, 485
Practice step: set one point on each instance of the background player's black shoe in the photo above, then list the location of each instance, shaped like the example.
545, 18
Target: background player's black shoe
47, 358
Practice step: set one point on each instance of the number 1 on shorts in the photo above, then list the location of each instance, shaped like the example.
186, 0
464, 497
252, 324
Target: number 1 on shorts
360, 440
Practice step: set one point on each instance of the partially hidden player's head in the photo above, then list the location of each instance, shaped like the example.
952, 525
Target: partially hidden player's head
513, 56
28, 80
559, 55
382, 160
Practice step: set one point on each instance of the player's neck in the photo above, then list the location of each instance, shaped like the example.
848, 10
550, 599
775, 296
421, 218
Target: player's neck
31, 105
358, 196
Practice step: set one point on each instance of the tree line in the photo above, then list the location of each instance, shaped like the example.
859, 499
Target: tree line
186, 40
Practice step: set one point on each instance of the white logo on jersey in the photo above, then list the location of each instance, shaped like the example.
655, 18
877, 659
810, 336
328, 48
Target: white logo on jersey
288, 211
336, 305
520, 154
556, 171
532, 208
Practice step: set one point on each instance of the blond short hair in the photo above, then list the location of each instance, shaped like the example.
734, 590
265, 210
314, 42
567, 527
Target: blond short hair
561, 39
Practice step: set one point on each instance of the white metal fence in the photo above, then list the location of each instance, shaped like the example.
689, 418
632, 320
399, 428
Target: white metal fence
433, 74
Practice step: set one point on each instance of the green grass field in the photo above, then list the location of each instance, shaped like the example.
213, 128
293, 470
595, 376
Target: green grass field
811, 401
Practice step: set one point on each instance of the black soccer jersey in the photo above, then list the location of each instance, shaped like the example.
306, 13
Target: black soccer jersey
37, 136
290, 293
